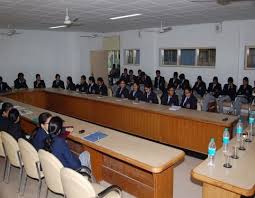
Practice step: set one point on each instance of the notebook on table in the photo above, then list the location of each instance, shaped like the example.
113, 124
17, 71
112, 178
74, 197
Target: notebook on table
93, 137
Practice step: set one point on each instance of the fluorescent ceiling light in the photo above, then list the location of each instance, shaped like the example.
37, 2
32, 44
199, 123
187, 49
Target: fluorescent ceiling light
125, 16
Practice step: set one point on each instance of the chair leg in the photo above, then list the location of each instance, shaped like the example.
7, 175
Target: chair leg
5, 165
39, 188
8, 172
20, 178
47, 192
24, 186
37, 164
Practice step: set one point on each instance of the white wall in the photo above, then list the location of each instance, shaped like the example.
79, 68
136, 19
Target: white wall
230, 45
47, 53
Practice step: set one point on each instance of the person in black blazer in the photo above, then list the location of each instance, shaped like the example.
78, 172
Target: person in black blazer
199, 88
4, 113
4, 87
189, 101
159, 82
145, 79
214, 90
69, 84
228, 94
20, 82
122, 91
174, 81
124, 76
102, 87
136, 93
93, 87
149, 95
170, 98
132, 77
14, 128
57, 83
39, 83
83, 86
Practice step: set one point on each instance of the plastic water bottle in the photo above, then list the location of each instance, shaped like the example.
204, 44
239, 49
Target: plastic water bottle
225, 140
211, 152
239, 130
250, 132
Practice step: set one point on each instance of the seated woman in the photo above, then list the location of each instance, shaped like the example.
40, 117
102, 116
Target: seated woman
69, 84
189, 101
93, 87
102, 87
170, 98
14, 128
57, 145
4, 113
122, 91
41, 132
136, 93
149, 96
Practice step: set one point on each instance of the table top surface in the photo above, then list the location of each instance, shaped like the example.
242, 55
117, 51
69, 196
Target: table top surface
208, 117
239, 179
148, 155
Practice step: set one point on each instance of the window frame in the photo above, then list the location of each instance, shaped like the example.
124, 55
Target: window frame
125, 57
246, 51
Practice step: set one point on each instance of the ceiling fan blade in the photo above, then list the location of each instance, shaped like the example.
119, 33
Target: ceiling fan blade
201, 1
57, 27
75, 20
76, 24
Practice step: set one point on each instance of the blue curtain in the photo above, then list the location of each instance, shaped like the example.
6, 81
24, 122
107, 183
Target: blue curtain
188, 56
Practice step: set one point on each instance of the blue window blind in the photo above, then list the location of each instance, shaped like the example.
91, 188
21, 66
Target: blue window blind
188, 56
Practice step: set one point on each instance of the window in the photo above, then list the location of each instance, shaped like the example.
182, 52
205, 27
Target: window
250, 57
132, 57
113, 58
168, 56
206, 57
188, 56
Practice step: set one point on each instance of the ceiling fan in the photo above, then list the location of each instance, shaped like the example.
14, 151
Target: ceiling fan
10, 32
162, 29
220, 2
67, 22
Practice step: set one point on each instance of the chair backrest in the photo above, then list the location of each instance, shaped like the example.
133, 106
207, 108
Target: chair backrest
51, 169
11, 149
2, 154
109, 91
75, 185
29, 157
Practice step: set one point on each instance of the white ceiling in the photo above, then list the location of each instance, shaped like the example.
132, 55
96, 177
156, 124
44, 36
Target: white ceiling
95, 14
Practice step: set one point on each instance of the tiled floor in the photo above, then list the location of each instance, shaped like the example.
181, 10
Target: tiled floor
183, 185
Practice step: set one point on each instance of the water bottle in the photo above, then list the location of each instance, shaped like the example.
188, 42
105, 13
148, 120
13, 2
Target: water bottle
225, 140
250, 129
211, 152
239, 130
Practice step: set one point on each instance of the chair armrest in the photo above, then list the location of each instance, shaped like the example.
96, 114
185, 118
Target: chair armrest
108, 190
85, 171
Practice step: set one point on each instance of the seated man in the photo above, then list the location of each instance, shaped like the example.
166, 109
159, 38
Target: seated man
159, 82
189, 101
69, 84
4, 113
122, 91
4, 87
136, 93
170, 98
39, 83
228, 94
83, 86
132, 77
149, 95
102, 87
145, 79
199, 89
93, 87
20, 82
57, 83
124, 76
214, 90
244, 94
174, 81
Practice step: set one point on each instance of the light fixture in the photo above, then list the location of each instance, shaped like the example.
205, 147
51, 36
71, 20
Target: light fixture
125, 16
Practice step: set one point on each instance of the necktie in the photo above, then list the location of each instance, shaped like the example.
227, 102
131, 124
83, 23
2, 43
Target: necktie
185, 101
168, 101
134, 93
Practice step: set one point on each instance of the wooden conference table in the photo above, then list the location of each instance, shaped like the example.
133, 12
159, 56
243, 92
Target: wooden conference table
141, 167
220, 182
188, 129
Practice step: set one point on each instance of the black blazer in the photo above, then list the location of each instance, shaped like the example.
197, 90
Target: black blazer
93, 89
14, 129
147, 80
41, 84
173, 100
216, 90
159, 83
20, 85
4, 87
71, 87
200, 88
191, 102
152, 97
138, 94
132, 79
103, 90
125, 78
59, 84
173, 82
229, 91
247, 92
82, 87
123, 92
4, 123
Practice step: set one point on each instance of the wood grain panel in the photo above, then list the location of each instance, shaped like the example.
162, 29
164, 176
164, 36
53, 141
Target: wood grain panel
210, 191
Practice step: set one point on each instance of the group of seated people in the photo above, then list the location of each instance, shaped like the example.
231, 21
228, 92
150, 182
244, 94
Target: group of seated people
177, 92
49, 135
